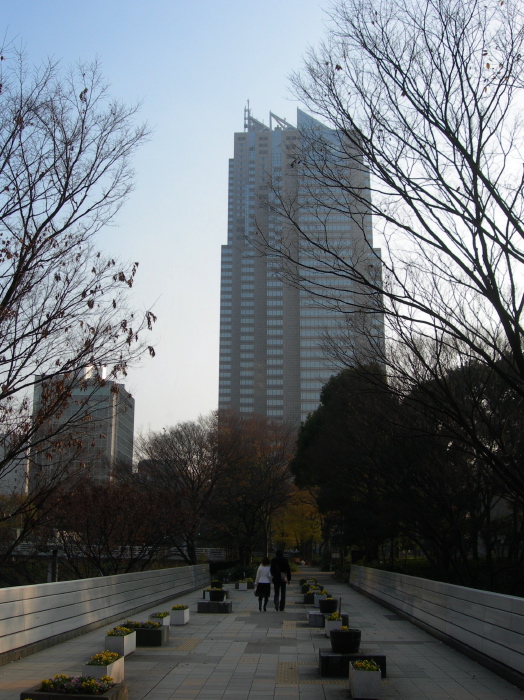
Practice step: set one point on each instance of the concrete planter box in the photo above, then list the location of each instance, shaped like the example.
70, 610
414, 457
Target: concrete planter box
115, 670
316, 599
364, 684
180, 617
331, 665
335, 624
164, 621
241, 586
117, 692
309, 599
217, 596
315, 618
152, 638
122, 645
250, 585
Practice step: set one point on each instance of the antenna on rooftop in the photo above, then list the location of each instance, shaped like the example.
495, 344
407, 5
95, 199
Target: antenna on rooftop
247, 114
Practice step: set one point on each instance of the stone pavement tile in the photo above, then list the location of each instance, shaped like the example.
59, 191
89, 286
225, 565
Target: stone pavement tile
408, 689
288, 693
474, 689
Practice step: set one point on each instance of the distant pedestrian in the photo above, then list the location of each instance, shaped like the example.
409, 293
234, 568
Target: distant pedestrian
281, 575
263, 583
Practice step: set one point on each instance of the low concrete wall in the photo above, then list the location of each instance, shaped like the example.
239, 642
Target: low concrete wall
488, 627
34, 617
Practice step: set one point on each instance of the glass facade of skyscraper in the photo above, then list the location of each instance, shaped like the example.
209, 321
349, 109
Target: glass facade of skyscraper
272, 355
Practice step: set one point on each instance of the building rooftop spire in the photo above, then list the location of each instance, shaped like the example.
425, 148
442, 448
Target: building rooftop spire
252, 124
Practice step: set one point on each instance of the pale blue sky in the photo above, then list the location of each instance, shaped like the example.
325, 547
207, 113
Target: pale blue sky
193, 65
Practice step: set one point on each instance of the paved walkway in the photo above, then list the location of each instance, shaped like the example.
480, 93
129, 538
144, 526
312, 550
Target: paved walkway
249, 655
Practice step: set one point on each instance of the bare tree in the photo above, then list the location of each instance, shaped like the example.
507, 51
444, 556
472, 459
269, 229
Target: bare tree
256, 481
106, 529
182, 463
427, 92
65, 170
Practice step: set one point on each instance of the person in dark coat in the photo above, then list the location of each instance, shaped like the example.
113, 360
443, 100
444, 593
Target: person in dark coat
281, 574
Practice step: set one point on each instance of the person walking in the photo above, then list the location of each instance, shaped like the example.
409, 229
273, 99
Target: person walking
263, 583
281, 575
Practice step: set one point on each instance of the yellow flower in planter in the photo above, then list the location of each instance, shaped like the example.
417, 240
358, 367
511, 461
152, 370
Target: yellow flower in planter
365, 665
79, 685
103, 658
334, 617
119, 632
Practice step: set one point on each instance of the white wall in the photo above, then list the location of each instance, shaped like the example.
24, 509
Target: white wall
33, 614
489, 623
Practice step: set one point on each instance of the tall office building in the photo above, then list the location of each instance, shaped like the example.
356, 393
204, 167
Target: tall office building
94, 430
14, 473
273, 359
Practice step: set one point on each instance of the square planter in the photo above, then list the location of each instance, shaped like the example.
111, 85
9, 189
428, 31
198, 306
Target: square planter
241, 586
117, 692
122, 645
180, 617
315, 618
331, 665
316, 598
335, 624
250, 585
364, 684
164, 621
152, 638
115, 670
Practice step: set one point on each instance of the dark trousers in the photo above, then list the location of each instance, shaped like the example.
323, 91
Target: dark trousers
280, 593
263, 592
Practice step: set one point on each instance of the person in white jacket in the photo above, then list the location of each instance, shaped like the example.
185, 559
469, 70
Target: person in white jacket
263, 583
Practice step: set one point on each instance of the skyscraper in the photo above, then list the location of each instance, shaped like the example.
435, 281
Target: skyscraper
92, 432
273, 359
14, 473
